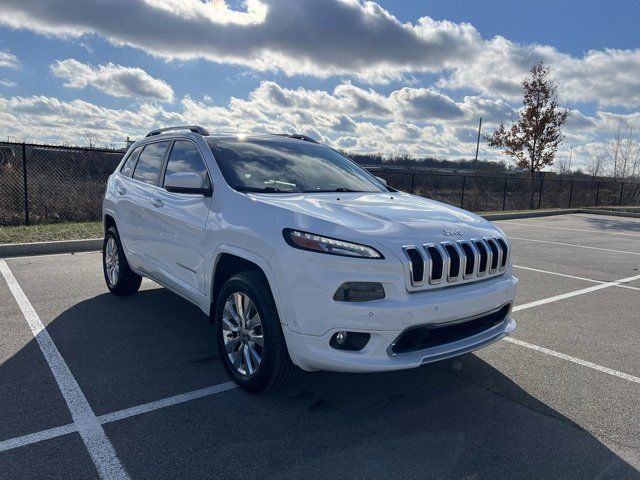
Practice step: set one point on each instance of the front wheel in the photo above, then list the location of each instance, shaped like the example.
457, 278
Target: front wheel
250, 338
121, 280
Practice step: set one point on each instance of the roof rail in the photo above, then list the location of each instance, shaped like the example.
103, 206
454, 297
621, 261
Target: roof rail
193, 128
297, 136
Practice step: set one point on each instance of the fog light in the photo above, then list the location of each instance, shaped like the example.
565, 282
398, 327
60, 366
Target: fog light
359, 292
352, 341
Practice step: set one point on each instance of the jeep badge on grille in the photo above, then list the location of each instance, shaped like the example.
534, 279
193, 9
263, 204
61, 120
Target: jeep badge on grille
452, 233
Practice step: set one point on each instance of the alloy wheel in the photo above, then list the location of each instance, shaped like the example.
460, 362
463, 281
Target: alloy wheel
242, 333
112, 261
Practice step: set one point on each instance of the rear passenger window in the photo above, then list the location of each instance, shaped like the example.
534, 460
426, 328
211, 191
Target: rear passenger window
150, 163
185, 157
130, 162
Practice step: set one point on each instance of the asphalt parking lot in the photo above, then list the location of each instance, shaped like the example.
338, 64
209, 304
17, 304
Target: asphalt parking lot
146, 396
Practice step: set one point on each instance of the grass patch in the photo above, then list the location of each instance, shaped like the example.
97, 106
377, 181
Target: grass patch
51, 232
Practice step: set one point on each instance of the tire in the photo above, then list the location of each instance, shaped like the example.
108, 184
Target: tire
124, 281
274, 368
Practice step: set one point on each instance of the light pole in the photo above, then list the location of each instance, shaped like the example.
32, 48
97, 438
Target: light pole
570, 155
475, 162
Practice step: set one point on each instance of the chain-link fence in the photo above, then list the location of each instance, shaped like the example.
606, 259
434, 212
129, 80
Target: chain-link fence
49, 184
480, 193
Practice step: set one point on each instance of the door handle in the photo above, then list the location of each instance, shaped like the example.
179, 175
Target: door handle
121, 190
156, 202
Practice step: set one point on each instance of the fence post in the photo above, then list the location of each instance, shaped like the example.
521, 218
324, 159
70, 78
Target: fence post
24, 184
413, 179
597, 193
621, 190
571, 194
540, 193
464, 181
504, 193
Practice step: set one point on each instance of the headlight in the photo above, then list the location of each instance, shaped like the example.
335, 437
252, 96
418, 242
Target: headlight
318, 243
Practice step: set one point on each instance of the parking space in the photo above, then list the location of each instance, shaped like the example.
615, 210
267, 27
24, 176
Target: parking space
560, 399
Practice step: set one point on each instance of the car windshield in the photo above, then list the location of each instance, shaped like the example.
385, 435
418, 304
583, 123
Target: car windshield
288, 166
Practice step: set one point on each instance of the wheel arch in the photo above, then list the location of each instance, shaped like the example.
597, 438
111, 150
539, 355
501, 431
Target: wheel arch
231, 260
109, 222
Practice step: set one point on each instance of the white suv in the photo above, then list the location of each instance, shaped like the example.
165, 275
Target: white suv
302, 258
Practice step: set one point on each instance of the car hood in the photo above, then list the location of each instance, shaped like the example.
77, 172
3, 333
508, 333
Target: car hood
397, 218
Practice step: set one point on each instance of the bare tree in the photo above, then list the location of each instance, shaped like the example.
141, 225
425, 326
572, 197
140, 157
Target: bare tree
532, 141
595, 166
562, 165
620, 152
89, 139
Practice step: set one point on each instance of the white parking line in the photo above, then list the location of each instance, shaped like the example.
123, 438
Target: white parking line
573, 276
573, 245
569, 358
115, 416
166, 402
37, 437
95, 439
575, 293
544, 225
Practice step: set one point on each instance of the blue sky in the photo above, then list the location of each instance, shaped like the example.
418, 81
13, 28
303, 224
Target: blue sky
412, 76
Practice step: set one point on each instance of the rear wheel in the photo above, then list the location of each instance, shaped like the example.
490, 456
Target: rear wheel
121, 280
250, 338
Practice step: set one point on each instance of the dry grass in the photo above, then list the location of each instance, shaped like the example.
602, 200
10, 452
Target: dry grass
50, 232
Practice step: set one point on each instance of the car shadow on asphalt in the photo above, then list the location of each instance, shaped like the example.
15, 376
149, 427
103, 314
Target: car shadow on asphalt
620, 224
459, 418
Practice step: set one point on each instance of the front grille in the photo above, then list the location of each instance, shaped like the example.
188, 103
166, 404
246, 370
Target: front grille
451, 262
428, 336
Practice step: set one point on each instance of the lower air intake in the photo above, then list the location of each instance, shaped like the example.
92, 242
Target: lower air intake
428, 336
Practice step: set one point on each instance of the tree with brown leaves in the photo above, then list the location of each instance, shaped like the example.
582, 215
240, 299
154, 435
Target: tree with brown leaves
534, 138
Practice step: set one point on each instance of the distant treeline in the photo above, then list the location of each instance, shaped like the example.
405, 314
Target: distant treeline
406, 161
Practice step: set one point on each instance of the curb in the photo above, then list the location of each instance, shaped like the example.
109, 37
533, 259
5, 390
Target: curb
42, 248
611, 212
532, 214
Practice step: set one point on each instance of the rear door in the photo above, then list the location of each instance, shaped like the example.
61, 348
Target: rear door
179, 220
139, 191
122, 203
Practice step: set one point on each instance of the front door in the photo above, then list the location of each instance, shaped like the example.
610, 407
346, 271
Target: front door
180, 221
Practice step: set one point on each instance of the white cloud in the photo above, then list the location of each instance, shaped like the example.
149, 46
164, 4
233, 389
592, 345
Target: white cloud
7, 83
8, 60
349, 117
315, 37
114, 80
352, 38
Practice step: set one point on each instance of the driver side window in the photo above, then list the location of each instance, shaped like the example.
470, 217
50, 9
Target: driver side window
185, 157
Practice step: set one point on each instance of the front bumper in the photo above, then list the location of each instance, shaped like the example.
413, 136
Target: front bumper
386, 319
314, 353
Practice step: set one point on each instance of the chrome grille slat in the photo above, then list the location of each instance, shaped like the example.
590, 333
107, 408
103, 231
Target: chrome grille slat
417, 267
438, 261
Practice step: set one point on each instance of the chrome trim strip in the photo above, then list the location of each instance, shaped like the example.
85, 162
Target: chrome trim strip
443, 324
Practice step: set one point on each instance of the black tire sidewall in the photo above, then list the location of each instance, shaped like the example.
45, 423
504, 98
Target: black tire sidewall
242, 282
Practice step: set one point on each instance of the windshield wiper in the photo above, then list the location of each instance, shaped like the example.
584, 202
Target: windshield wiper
242, 188
340, 189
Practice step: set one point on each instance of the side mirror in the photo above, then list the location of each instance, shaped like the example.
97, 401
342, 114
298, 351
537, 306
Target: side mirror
187, 182
382, 180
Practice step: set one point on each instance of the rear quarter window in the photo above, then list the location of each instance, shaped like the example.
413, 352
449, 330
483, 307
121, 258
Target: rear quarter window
130, 162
